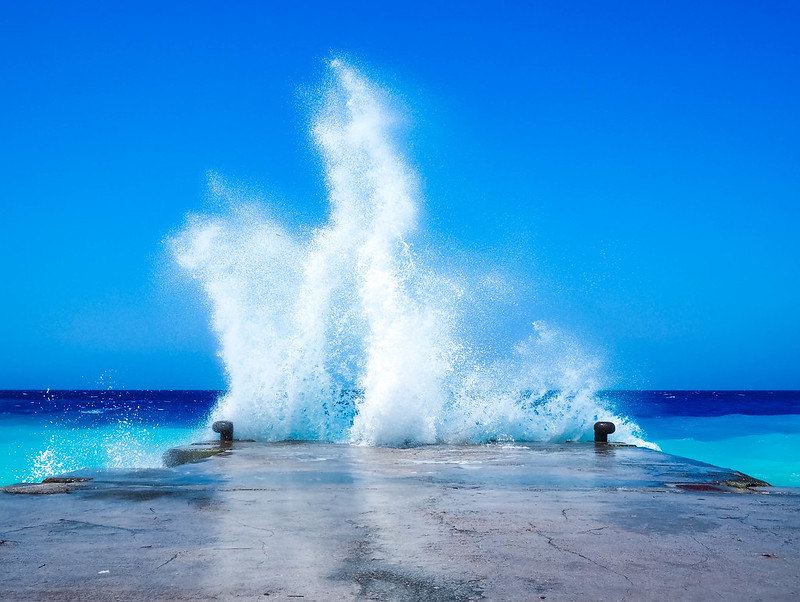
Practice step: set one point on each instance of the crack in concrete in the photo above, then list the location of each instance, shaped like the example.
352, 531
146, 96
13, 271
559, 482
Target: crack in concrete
37, 526
740, 519
442, 518
706, 559
594, 531
174, 556
266, 555
83, 524
270, 531
702, 544
775, 534
587, 558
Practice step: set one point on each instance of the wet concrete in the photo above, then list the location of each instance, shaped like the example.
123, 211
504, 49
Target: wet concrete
312, 521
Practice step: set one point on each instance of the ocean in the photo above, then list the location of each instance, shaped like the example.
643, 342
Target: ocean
364, 330
43, 433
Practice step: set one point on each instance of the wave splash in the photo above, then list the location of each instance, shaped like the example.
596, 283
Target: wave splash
344, 334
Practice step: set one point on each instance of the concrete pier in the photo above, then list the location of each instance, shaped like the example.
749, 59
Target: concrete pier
314, 521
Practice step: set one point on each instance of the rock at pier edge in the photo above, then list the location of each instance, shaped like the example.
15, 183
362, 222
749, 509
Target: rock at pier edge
316, 521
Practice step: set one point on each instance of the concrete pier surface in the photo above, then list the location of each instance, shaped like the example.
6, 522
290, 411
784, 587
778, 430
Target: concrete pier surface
316, 521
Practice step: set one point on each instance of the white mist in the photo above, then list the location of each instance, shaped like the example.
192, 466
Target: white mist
342, 335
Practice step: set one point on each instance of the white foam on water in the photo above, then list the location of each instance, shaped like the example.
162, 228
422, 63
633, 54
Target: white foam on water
343, 334
47, 449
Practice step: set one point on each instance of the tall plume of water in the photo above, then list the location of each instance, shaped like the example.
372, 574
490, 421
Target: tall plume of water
341, 334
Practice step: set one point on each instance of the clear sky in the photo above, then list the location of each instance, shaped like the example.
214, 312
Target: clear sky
641, 159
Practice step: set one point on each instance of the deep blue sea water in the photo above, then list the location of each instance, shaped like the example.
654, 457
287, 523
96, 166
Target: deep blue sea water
50, 432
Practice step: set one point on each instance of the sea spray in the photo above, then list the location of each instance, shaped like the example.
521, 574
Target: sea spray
341, 334
46, 433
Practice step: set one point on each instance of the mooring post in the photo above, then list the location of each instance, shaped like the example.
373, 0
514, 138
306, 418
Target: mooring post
225, 430
602, 430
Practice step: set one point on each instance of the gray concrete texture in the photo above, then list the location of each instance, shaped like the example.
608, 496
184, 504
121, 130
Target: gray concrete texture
315, 521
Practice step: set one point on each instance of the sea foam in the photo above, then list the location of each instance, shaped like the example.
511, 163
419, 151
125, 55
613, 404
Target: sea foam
345, 333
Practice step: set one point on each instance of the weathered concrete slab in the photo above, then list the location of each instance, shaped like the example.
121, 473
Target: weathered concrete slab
310, 521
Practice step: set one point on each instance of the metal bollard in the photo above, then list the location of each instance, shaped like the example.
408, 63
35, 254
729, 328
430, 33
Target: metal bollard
602, 430
225, 430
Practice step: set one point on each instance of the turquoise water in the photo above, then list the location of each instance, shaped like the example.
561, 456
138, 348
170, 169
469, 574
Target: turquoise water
30, 452
765, 447
45, 433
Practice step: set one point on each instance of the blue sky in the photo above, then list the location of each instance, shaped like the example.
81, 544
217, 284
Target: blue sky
636, 164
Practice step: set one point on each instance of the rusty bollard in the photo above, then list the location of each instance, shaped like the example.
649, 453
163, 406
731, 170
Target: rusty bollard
225, 430
602, 430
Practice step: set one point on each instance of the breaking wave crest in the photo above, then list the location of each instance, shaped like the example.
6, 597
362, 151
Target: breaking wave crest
344, 333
